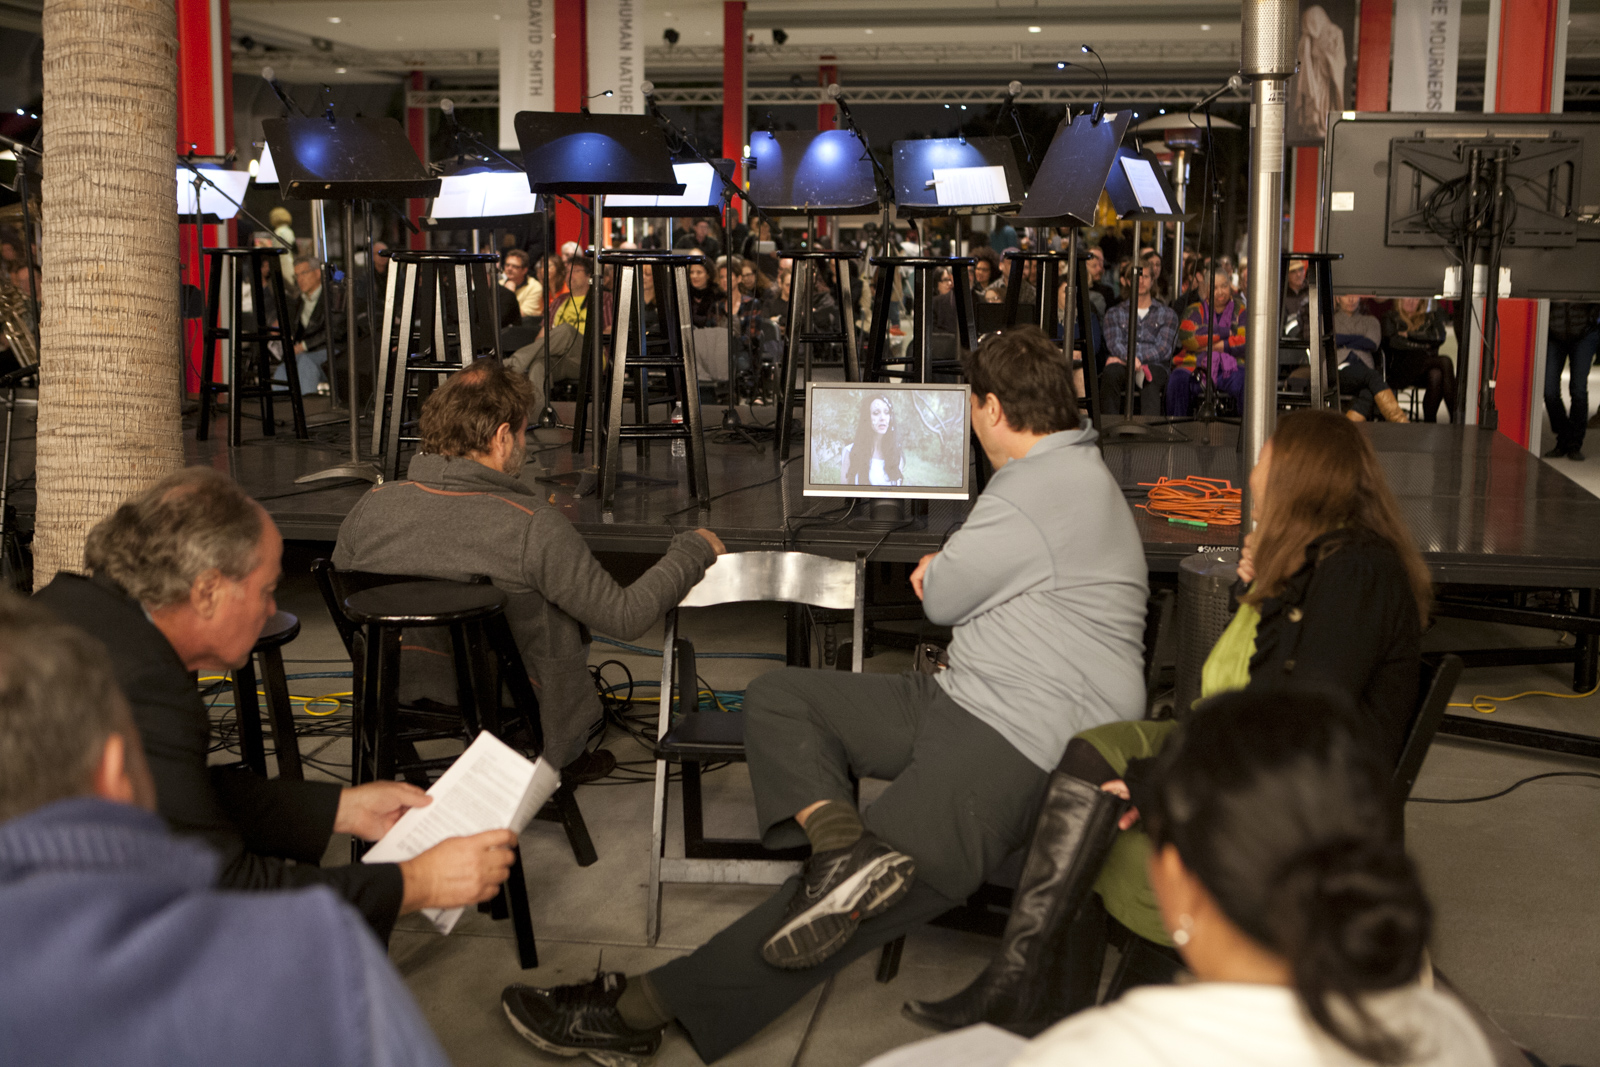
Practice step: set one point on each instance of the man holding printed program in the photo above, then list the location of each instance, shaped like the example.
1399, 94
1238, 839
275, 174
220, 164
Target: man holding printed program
1045, 588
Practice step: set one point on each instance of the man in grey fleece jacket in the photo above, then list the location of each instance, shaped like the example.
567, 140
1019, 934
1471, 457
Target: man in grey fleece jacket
464, 512
1045, 587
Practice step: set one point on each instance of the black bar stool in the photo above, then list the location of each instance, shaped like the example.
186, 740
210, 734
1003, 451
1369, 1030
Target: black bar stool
279, 631
1323, 388
1048, 314
226, 283
835, 271
919, 363
480, 640
634, 350
449, 315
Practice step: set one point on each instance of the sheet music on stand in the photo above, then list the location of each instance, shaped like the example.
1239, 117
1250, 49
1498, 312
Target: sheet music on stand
970, 186
943, 176
1146, 187
701, 196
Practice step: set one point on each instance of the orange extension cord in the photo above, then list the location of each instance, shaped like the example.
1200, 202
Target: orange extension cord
1193, 501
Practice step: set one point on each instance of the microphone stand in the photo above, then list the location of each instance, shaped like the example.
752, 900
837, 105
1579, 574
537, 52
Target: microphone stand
885, 187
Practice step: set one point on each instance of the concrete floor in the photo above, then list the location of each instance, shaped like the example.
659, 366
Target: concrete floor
1512, 880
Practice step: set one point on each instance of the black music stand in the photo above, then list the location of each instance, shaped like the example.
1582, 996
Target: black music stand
579, 154
1065, 192
1139, 191
324, 158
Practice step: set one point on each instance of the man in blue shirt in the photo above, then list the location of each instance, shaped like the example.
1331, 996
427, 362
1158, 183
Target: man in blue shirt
115, 948
1157, 340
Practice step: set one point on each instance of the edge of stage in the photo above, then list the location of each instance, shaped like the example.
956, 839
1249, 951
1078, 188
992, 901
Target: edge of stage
1483, 510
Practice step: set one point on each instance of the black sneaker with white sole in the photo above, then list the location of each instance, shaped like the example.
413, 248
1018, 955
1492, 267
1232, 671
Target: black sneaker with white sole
580, 1020
841, 887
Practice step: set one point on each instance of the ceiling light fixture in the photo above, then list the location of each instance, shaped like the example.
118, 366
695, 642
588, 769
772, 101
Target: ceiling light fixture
335, 19
1035, 29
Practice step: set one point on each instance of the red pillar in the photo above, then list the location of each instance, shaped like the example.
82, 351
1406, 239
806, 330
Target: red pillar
205, 127
1376, 36
417, 131
733, 110
1524, 71
571, 85
827, 74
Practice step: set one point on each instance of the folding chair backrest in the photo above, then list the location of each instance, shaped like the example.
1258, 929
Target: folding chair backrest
1436, 684
791, 577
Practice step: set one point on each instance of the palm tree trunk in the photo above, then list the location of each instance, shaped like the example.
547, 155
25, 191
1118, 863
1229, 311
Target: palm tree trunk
108, 391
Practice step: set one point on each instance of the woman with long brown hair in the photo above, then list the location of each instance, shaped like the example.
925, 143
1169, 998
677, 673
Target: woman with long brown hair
1335, 600
1412, 335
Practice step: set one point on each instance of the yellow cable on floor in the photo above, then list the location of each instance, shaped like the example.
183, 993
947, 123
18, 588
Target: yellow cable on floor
1485, 704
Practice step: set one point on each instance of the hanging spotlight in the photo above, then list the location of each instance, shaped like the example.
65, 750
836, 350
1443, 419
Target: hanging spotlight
779, 37
669, 35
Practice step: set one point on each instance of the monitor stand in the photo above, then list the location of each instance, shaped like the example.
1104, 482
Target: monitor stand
892, 513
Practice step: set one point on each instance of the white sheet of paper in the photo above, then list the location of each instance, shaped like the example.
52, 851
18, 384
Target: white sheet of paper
233, 182
1146, 186
696, 177
975, 1046
969, 186
490, 786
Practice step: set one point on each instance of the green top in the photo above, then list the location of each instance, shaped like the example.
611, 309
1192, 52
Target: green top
1123, 884
1227, 668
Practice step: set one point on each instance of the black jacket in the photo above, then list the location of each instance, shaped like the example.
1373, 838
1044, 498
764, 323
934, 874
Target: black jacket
1346, 623
314, 333
256, 824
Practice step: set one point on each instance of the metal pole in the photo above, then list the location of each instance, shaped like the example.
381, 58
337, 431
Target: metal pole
1268, 59
1180, 182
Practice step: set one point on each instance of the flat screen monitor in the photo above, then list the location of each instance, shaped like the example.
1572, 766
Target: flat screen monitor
824, 173
212, 202
888, 441
1391, 204
700, 191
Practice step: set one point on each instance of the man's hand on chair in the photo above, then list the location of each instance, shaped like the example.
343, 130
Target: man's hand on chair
458, 871
714, 541
367, 811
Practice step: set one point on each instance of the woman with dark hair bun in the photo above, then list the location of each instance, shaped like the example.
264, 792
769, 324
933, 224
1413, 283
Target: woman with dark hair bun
1290, 897
874, 457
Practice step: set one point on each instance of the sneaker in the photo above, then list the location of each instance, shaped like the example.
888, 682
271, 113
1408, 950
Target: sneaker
1556, 452
580, 1020
1576, 455
840, 888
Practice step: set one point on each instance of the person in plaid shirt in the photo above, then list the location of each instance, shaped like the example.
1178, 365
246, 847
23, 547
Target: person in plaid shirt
1221, 332
1158, 331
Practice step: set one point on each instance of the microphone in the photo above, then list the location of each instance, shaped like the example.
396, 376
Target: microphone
1233, 84
448, 106
277, 90
649, 91
1013, 88
836, 94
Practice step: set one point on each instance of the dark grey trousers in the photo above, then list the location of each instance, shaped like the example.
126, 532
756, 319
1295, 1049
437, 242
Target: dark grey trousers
961, 799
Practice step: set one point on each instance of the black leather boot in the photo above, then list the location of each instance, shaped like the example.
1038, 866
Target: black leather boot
1018, 990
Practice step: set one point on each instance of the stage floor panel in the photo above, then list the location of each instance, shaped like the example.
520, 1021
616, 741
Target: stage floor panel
1482, 509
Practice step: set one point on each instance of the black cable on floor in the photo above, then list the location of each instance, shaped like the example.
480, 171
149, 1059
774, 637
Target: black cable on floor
1508, 789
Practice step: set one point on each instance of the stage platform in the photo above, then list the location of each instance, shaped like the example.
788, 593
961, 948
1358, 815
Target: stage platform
1484, 511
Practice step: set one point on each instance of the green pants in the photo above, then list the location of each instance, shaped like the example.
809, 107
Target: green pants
1124, 883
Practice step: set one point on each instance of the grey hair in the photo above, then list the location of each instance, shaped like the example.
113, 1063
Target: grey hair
58, 704
157, 544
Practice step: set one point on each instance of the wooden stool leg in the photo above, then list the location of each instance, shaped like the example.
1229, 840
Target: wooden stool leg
208, 352
291, 366
387, 337
618, 384
699, 483
247, 713
280, 709
402, 375
878, 332
847, 307
516, 892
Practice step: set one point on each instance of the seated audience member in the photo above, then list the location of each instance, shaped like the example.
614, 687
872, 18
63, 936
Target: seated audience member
464, 480
1292, 310
1412, 335
1212, 336
309, 321
985, 271
1290, 898
1045, 588
1028, 294
182, 580
1358, 337
708, 305
115, 947
701, 239
1158, 333
1100, 293
568, 321
528, 291
555, 286
1337, 596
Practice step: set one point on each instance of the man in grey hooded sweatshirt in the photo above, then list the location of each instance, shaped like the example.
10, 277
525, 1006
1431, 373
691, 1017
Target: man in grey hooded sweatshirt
464, 511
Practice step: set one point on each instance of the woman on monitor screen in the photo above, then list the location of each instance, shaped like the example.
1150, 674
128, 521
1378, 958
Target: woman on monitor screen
874, 457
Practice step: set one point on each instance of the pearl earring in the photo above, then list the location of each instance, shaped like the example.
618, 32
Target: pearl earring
1181, 935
